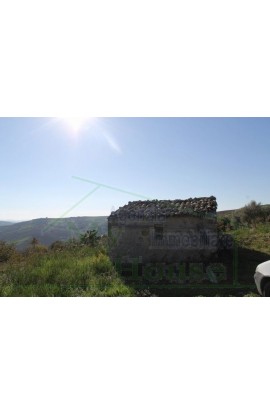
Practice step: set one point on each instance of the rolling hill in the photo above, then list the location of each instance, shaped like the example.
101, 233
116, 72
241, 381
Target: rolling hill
237, 212
49, 230
5, 223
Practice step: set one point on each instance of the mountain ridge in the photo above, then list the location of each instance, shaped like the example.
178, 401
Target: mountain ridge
6, 223
48, 230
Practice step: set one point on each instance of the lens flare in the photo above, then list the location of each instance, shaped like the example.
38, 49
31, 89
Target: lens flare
76, 124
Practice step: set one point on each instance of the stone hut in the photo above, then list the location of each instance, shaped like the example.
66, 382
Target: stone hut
167, 231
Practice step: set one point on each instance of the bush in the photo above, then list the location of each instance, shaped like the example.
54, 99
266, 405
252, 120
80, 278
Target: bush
266, 213
90, 238
101, 264
6, 251
58, 245
224, 224
36, 250
253, 213
236, 223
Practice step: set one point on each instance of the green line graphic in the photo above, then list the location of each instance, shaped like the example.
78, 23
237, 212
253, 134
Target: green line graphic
70, 209
112, 188
98, 185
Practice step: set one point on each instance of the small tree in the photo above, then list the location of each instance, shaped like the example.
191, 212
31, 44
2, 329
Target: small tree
266, 214
36, 247
6, 251
253, 213
34, 242
236, 222
58, 245
90, 238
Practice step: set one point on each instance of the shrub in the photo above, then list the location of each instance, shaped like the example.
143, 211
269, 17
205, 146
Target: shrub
90, 238
101, 263
37, 249
34, 242
253, 213
58, 245
73, 243
266, 213
236, 223
6, 251
224, 224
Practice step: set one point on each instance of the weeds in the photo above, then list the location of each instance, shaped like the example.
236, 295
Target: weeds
81, 271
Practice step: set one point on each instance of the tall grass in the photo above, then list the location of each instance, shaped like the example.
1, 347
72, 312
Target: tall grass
254, 238
82, 271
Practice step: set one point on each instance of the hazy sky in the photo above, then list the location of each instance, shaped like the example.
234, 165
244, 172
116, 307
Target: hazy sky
163, 158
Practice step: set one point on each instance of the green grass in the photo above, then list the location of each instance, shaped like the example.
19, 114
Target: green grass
253, 238
252, 248
82, 272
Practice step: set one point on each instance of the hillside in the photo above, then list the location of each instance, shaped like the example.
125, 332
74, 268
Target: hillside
237, 212
254, 238
5, 223
49, 230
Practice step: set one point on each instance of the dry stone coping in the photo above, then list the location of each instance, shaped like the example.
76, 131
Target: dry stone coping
150, 208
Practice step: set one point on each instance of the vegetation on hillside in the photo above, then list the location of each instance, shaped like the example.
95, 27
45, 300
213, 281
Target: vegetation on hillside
250, 229
48, 230
5, 223
64, 269
249, 226
81, 265
250, 216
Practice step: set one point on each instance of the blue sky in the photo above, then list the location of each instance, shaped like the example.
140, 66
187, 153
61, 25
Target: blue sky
164, 158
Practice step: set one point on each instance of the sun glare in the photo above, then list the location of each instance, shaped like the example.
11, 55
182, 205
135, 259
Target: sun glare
75, 124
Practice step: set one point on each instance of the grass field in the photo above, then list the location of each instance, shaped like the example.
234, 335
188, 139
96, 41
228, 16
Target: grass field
254, 238
81, 271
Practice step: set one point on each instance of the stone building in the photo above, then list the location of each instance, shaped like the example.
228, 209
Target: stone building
167, 231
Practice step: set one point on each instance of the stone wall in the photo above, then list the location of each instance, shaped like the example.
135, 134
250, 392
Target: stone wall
174, 239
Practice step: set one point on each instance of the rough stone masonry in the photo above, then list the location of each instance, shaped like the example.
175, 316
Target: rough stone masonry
164, 231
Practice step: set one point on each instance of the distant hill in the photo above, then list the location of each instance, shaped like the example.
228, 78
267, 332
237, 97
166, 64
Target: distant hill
224, 212
49, 230
237, 212
5, 223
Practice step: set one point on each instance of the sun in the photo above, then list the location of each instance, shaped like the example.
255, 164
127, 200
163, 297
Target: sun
75, 124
